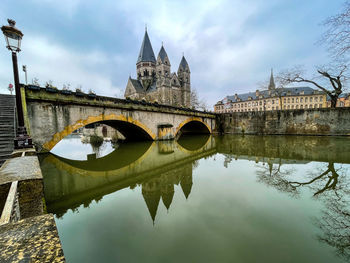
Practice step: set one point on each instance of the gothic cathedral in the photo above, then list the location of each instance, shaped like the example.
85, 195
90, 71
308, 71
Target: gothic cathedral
155, 82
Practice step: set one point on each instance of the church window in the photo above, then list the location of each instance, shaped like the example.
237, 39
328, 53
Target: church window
145, 73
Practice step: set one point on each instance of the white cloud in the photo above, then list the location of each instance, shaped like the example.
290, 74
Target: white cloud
50, 61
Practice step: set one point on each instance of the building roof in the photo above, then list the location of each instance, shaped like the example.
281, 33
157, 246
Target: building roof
183, 63
274, 93
162, 54
146, 52
137, 85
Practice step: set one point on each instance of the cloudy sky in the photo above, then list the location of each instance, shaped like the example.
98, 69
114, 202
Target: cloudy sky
230, 45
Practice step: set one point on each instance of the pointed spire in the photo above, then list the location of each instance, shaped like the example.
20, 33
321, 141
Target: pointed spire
146, 52
162, 54
272, 81
167, 195
183, 63
152, 199
186, 184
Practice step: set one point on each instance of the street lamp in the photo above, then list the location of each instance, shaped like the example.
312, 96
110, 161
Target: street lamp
13, 37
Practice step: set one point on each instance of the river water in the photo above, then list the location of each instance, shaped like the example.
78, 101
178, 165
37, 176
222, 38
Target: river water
202, 199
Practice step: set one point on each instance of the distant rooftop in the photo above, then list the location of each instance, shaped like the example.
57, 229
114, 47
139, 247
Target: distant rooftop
273, 93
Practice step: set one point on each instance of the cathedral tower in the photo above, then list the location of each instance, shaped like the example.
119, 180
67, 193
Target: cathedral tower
163, 63
146, 63
184, 75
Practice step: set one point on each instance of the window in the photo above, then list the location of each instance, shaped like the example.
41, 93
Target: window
321, 99
315, 106
273, 101
284, 100
260, 103
288, 100
297, 100
292, 106
310, 106
301, 100
310, 99
305, 106
297, 106
320, 105
301, 106
273, 107
306, 99
316, 99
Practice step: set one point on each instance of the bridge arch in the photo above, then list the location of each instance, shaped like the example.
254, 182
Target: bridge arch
192, 125
131, 129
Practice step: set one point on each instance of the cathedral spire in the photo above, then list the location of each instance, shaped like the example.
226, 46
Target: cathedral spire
183, 63
272, 81
146, 52
162, 55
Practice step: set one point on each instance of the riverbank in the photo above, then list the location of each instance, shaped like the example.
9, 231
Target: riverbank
27, 232
327, 121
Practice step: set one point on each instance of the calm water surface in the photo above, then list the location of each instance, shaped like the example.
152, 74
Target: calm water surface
202, 199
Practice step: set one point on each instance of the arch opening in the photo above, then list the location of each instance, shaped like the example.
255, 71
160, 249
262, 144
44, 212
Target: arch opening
130, 131
193, 128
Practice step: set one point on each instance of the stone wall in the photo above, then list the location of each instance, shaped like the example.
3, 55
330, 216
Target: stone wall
293, 122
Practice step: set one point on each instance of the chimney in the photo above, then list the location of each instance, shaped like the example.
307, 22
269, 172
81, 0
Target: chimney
257, 93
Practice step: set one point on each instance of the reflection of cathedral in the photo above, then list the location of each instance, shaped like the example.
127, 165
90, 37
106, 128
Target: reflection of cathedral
163, 187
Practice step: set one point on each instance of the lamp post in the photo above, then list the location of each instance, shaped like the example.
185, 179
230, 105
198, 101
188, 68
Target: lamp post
24, 67
13, 37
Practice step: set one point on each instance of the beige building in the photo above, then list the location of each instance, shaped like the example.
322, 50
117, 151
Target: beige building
155, 82
273, 99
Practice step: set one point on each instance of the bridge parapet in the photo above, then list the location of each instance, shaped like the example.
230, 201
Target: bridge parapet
53, 114
80, 98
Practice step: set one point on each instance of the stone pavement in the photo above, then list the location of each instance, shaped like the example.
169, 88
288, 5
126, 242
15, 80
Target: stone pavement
33, 239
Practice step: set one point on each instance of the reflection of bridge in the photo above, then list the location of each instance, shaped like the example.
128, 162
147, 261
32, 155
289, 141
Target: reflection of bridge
156, 166
51, 116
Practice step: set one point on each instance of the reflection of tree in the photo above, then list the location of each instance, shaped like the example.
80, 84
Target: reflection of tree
325, 181
330, 176
335, 226
274, 176
330, 185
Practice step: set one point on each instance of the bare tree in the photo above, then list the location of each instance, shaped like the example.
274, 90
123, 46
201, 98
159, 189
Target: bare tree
332, 84
196, 103
337, 34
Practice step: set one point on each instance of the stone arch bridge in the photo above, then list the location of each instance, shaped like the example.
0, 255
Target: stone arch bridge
51, 115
